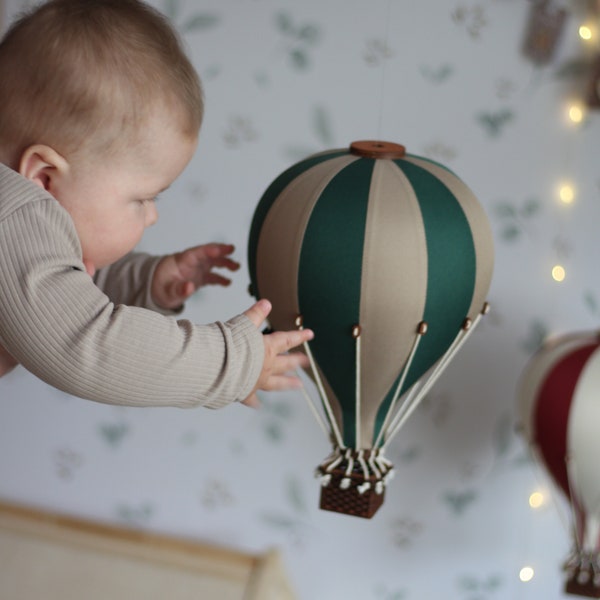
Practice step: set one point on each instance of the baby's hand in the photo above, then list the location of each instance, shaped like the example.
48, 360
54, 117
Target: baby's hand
277, 362
179, 275
7, 362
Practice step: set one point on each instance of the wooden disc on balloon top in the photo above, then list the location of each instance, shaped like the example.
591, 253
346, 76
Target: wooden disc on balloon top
376, 149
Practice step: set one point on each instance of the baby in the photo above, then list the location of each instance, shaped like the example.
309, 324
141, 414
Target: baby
99, 112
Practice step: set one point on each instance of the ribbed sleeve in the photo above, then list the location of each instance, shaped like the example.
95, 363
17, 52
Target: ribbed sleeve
128, 281
60, 326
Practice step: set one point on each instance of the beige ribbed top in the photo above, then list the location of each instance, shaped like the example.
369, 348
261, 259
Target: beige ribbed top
103, 345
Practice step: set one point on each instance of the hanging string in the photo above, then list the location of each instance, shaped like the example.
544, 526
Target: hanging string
324, 399
412, 399
383, 69
313, 408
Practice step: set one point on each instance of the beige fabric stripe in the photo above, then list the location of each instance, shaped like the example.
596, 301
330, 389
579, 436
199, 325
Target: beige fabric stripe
393, 287
480, 226
280, 243
583, 447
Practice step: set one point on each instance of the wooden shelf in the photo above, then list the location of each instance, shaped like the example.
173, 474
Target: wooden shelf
57, 557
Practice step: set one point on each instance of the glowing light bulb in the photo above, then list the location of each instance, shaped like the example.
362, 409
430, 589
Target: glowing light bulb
566, 193
536, 499
526, 574
576, 113
585, 33
558, 273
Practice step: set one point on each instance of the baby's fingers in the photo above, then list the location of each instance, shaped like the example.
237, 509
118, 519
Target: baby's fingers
283, 341
282, 382
285, 363
252, 401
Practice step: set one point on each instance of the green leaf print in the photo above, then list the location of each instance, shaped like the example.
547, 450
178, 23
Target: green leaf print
494, 123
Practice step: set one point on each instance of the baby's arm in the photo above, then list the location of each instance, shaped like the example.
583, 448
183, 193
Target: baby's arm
62, 328
164, 283
128, 281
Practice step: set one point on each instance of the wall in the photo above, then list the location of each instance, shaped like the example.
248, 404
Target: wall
284, 79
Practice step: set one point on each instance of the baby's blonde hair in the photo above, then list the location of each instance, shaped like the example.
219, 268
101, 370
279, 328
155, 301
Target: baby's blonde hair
86, 74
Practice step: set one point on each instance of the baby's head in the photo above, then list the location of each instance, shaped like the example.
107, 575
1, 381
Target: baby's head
85, 76
100, 107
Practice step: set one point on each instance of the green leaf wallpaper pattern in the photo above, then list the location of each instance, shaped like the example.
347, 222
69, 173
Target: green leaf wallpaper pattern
590, 301
240, 130
199, 22
503, 435
404, 531
537, 333
320, 125
294, 521
383, 592
67, 462
473, 19
437, 75
113, 433
275, 415
494, 122
299, 39
135, 515
377, 51
474, 587
440, 151
458, 502
216, 494
173, 9
515, 219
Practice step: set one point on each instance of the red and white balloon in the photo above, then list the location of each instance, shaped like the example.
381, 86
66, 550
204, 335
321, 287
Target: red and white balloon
559, 406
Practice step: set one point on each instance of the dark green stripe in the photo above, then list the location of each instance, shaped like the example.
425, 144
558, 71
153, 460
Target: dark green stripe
268, 199
451, 270
329, 280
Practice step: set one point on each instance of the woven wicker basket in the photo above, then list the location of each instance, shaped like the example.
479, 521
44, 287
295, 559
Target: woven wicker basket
350, 501
576, 587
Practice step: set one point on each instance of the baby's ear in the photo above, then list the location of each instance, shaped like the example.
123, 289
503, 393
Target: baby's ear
41, 164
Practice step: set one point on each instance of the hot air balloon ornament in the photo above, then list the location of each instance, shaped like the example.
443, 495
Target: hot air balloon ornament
388, 258
559, 412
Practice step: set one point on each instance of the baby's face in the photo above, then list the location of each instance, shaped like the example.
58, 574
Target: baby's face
111, 200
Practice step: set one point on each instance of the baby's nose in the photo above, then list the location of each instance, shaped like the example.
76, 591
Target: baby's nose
151, 214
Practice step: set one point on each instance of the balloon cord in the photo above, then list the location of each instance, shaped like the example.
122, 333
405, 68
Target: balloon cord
579, 535
441, 365
324, 399
357, 391
404, 413
414, 400
365, 470
313, 408
407, 365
